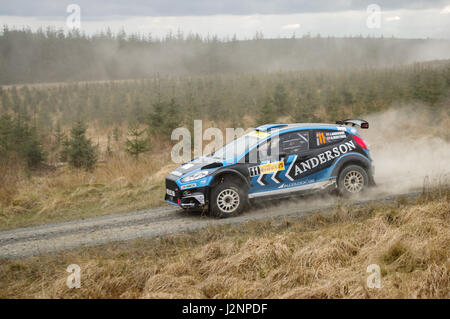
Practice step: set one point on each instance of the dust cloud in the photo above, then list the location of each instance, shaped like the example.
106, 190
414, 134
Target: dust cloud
410, 148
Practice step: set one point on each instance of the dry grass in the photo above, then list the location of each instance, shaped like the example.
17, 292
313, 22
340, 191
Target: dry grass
119, 185
323, 256
9, 178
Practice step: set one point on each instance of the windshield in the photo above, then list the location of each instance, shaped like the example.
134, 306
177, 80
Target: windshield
239, 145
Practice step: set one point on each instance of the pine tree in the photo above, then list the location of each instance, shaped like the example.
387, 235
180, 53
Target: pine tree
6, 102
280, 99
135, 145
172, 117
17, 137
266, 113
6, 124
79, 149
32, 150
58, 135
164, 118
155, 117
64, 154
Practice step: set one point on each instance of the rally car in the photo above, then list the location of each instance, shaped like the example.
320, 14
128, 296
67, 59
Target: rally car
274, 160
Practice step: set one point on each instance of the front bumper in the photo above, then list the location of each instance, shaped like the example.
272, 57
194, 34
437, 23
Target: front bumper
191, 198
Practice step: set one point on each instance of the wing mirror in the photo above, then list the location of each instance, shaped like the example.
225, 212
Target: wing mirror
282, 155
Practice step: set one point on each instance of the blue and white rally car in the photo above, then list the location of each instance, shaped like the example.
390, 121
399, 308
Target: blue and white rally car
274, 160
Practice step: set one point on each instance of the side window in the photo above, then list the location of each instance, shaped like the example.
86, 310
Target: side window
264, 151
327, 137
259, 153
294, 142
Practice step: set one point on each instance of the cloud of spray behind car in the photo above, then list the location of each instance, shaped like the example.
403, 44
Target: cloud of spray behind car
410, 148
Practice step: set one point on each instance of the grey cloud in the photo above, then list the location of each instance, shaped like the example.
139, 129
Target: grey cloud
103, 8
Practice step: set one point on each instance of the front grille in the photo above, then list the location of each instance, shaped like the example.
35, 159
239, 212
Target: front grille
170, 184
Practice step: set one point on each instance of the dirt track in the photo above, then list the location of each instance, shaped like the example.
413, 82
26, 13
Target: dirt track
22, 242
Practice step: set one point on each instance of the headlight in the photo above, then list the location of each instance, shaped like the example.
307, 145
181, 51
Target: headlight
195, 176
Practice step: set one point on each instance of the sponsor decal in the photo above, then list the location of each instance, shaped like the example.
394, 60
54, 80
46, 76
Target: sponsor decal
253, 171
327, 137
321, 159
187, 166
272, 167
320, 138
170, 192
340, 128
296, 184
188, 186
332, 136
266, 168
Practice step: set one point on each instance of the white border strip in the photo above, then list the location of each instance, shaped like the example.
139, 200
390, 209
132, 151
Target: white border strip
317, 185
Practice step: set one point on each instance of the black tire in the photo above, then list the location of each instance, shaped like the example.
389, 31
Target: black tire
227, 199
352, 180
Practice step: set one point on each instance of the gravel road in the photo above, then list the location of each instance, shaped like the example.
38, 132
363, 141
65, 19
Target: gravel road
23, 242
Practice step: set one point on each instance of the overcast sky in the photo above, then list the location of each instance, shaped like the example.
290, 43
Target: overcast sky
281, 18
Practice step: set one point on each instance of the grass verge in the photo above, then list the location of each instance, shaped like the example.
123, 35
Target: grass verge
119, 185
323, 256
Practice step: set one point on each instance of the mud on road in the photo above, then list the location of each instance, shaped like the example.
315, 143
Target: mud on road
23, 242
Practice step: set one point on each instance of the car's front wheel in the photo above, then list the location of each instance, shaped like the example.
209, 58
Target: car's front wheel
227, 199
352, 180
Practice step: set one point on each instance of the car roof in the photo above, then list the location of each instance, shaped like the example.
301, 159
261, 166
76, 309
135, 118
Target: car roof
284, 127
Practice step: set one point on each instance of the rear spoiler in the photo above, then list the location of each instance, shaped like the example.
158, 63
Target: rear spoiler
360, 123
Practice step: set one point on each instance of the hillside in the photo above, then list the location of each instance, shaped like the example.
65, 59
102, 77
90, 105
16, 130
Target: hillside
54, 56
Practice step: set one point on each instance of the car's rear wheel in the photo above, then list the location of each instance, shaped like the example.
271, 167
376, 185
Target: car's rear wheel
227, 199
352, 180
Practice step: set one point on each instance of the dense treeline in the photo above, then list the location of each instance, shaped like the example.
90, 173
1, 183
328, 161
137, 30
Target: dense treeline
54, 56
32, 116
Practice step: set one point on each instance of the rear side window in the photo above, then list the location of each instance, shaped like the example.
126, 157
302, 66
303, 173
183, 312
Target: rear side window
328, 137
294, 142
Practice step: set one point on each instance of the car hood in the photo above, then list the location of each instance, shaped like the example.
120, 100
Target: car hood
201, 163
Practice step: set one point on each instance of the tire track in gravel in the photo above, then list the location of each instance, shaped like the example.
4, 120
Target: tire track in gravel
23, 242
87, 225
